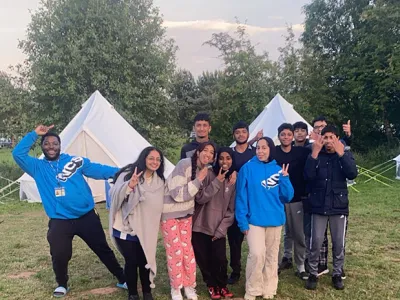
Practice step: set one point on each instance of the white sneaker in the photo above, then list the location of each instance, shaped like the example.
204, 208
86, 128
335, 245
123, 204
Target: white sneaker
249, 297
190, 293
176, 294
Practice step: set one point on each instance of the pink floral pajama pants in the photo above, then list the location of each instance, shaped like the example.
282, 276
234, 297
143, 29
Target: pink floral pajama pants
181, 263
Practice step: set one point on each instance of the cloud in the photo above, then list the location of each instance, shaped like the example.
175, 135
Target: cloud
221, 25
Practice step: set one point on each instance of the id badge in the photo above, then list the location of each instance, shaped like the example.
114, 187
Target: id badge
59, 191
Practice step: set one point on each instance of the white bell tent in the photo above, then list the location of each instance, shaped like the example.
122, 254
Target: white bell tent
101, 134
397, 160
276, 112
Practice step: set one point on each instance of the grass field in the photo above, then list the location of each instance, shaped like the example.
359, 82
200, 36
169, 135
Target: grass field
372, 256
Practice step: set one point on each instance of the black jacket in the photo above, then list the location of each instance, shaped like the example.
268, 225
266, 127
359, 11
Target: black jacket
326, 176
296, 159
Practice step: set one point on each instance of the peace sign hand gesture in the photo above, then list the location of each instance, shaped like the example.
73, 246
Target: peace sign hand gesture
42, 129
221, 175
285, 170
134, 179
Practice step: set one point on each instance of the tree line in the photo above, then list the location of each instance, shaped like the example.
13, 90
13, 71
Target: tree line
346, 65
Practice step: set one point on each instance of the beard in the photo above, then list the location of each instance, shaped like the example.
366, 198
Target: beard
55, 157
240, 143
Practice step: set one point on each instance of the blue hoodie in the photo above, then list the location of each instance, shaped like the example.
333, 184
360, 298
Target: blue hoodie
261, 191
78, 199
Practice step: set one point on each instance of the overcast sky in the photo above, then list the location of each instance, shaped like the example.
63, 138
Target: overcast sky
189, 22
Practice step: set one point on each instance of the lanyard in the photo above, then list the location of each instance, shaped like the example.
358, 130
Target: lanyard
56, 171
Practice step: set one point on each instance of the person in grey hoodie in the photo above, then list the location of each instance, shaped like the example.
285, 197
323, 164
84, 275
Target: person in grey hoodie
214, 214
135, 214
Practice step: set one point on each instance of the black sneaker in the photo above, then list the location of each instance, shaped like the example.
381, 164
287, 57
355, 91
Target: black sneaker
147, 296
133, 297
233, 279
343, 274
322, 270
337, 282
302, 275
285, 264
311, 283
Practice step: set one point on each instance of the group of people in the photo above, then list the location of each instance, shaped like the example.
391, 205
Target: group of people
213, 193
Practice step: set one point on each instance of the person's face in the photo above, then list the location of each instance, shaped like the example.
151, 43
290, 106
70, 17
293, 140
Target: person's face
262, 150
51, 148
300, 135
318, 126
328, 141
286, 137
207, 155
153, 161
225, 161
241, 136
202, 129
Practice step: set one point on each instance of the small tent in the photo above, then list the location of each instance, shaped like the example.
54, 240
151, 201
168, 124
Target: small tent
276, 112
101, 134
397, 160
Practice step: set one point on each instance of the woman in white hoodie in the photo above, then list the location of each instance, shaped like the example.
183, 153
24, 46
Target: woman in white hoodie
135, 214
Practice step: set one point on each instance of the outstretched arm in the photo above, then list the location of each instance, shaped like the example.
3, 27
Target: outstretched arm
21, 151
97, 171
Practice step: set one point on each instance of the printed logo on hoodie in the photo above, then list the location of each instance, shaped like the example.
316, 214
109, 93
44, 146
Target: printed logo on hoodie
70, 168
272, 181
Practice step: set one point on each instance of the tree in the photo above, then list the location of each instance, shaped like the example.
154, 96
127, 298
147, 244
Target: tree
118, 47
247, 84
350, 65
184, 93
14, 107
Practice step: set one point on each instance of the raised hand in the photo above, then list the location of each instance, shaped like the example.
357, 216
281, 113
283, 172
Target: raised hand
338, 145
221, 175
42, 129
313, 135
134, 179
260, 134
285, 170
347, 128
317, 146
202, 174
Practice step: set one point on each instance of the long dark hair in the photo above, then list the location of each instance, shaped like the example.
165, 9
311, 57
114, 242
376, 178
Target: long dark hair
217, 167
199, 149
271, 146
140, 164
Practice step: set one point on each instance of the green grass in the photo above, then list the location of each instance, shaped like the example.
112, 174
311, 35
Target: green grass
372, 255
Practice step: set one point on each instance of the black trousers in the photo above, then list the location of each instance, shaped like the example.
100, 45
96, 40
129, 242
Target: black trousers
211, 259
88, 228
235, 239
134, 259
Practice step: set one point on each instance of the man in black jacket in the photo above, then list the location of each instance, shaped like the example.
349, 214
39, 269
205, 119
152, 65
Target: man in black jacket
327, 170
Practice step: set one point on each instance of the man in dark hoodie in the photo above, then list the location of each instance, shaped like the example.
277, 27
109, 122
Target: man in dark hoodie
295, 157
327, 170
242, 153
202, 128
300, 134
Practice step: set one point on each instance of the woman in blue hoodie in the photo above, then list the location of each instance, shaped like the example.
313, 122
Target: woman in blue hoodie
262, 189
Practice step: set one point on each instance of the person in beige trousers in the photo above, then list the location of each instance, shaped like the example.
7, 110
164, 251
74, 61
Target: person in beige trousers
262, 189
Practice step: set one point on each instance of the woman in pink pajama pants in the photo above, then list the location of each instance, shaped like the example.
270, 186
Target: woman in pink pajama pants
183, 184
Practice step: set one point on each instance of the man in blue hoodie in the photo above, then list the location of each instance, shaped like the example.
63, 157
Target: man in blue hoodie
326, 171
67, 201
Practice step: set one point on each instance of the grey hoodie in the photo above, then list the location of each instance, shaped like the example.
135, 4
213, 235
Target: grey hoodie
215, 207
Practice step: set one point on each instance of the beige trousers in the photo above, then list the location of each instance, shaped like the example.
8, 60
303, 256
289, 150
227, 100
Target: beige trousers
262, 261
